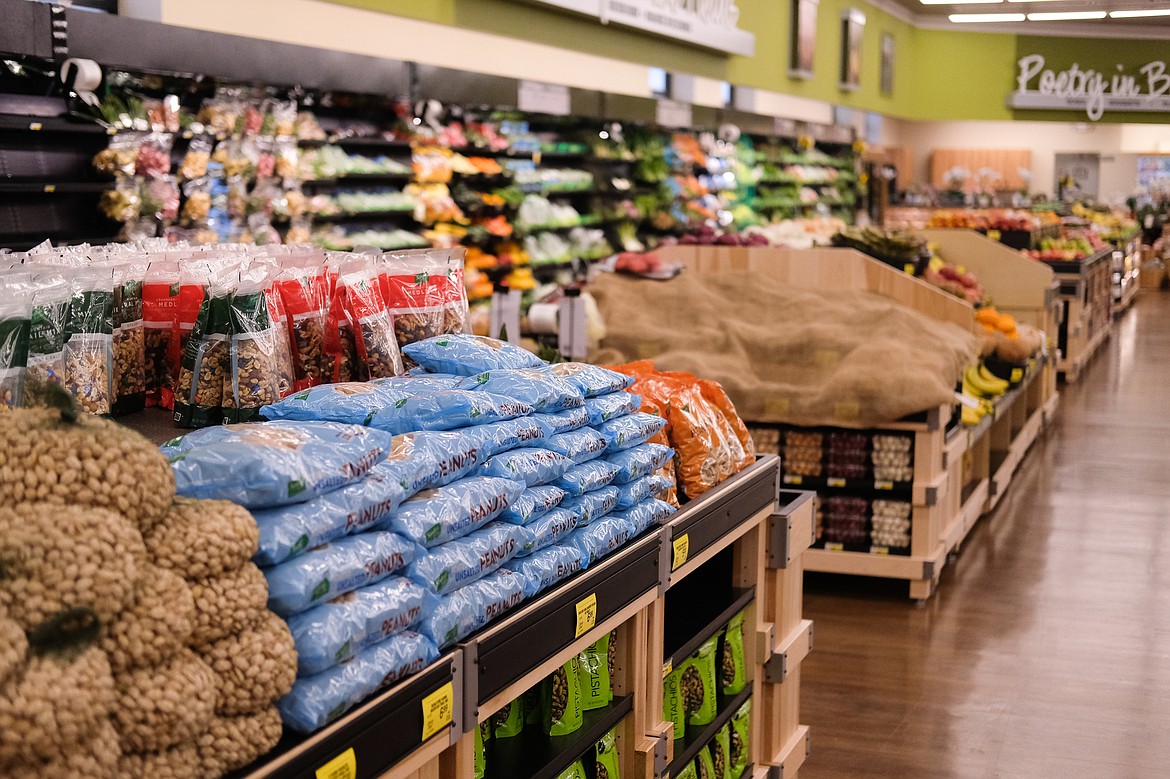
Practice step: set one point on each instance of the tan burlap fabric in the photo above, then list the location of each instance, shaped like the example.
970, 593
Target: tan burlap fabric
787, 355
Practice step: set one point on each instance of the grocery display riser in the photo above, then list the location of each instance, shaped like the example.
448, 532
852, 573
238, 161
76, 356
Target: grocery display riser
1086, 291
975, 467
738, 527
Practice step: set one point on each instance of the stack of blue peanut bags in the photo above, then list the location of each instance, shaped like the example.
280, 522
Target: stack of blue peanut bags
495, 476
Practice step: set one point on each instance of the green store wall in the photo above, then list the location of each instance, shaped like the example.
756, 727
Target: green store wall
939, 74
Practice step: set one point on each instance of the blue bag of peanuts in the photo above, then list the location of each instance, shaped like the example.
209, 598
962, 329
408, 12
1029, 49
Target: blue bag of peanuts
563, 421
606, 407
545, 393
630, 430
457, 563
648, 512
334, 569
469, 608
600, 538
315, 701
529, 466
550, 529
587, 477
592, 380
633, 493
335, 631
260, 465
580, 446
593, 505
546, 567
639, 461
424, 383
467, 355
434, 517
500, 437
533, 503
458, 452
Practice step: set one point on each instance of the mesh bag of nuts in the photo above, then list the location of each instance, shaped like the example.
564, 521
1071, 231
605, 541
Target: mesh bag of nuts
89, 350
373, 328
129, 344
317, 700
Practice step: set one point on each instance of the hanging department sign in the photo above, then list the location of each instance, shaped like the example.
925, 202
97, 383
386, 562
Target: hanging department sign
1092, 91
712, 24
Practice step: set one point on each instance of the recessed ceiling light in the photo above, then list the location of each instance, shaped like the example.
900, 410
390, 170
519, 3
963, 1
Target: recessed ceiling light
1139, 14
1030, 1
1062, 16
959, 2
976, 18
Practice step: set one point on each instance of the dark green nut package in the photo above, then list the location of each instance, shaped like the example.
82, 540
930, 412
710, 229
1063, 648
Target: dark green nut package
697, 685
739, 741
732, 667
596, 684
562, 700
508, 722
607, 757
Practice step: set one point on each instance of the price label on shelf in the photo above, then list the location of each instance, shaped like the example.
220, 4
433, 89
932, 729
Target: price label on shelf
793, 479
35, 126
834, 547
667, 668
586, 615
681, 548
883, 485
344, 766
879, 550
437, 709
541, 98
909, 268
835, 482
1017, 374
50, 189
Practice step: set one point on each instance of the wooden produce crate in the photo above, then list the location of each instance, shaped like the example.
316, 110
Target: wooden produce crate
1086, 290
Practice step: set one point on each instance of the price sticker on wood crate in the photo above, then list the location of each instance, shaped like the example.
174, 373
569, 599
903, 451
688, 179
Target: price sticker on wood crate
667, 668
883, 485
344, 766
586, 615
437, 709
681, 549
835, 482
788, 479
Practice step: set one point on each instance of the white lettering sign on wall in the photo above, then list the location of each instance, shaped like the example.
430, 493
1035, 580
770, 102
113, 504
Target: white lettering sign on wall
1093, 91
712, 24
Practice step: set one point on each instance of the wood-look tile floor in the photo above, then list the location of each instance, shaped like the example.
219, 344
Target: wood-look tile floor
1045, 651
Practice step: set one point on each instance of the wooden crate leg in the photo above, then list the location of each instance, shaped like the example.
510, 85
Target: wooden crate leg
458, 761
920, 589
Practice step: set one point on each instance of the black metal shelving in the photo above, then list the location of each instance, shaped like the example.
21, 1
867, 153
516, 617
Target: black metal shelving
687, 748
533, 755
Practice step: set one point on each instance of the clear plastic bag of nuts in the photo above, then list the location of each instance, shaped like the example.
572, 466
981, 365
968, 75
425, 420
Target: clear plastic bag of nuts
416, 306
15, 308
373, 328
204, 369
303, 287
46, 358
129, 338
255, 353
88, 353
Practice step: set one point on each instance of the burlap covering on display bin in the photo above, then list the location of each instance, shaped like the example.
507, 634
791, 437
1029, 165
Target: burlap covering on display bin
803, 357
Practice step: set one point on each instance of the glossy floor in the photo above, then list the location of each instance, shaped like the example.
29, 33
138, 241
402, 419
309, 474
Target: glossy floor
1046, 650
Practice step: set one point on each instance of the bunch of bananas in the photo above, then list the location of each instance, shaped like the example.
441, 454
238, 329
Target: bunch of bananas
981, 386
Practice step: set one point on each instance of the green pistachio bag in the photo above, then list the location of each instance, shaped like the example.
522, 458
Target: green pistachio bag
607, 757
533, 706
733, 670
596, 684
508, 722
688, 772
482, 733
739, 744
575, 771
704, 764
697, 685
562, 700
720, 752
672, 709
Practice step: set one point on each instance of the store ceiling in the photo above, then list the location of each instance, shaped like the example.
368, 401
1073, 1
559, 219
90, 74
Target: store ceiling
1131, 27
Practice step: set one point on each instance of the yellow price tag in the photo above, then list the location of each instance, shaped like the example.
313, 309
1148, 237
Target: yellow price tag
50, 189
682, 548
35, 126
344, 766
667, 668
835, 482
1017, 374
437, 709
909, 268
586, 615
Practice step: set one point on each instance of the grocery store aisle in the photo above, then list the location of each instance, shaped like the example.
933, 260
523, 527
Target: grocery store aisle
1046, 650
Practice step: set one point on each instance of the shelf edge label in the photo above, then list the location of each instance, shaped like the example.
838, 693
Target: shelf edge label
681, 548
437, 709
344, 766
586, 615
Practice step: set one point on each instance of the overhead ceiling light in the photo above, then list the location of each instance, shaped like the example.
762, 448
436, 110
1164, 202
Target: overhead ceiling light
1031, 1
959, 2
976, 18
1064, 16
1139, 14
